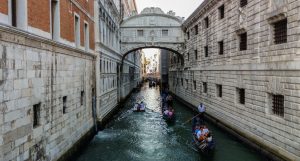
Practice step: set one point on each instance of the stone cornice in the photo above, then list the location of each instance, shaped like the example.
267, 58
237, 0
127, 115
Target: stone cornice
152, 14
201, 10
14, 35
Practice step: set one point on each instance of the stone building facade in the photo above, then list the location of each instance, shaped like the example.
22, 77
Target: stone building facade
112, 69
242, 62
46, 77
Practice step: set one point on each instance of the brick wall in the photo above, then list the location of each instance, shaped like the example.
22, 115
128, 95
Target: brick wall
39, 14
67, 10
4, 7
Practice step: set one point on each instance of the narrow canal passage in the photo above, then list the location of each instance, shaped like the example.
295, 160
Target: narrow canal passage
146, 137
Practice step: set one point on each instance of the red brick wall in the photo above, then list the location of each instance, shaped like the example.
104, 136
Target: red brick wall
4, 7
39, 14
67, 10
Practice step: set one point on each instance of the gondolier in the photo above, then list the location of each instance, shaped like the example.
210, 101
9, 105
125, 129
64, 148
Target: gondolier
201, 109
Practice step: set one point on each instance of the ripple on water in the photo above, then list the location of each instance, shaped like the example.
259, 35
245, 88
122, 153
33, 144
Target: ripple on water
145, 136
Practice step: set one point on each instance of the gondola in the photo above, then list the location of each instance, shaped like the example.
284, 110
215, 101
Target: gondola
137, 108
206, 146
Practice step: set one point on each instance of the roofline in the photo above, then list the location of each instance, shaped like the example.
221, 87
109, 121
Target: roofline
151, 14
195, 13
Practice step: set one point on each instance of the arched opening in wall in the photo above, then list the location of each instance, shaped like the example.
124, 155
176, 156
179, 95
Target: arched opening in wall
148, 64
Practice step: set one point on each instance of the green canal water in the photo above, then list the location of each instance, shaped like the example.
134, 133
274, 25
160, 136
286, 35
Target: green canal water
146, 136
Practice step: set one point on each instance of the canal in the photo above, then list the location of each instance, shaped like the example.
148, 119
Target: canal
146, 136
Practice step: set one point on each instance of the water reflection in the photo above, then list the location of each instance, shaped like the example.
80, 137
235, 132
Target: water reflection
145, 136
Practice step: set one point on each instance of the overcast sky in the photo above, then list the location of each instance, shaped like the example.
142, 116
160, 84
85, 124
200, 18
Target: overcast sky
183, 8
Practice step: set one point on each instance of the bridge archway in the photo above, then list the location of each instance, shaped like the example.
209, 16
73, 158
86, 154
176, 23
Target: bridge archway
152, 28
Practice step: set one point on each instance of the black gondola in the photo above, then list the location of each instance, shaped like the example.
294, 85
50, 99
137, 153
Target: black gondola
208, 144
137, 108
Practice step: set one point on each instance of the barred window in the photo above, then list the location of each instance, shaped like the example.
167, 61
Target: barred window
196, 30
280, 31
206, 20
243, 3
64, 104
278, 105
81, 97
206, 51
221, 47
36, 114
204, 87
219, 90
221, 12
195, 85
196, 54
165, 32
140, 32
188, 35
243, 41
187, 83
241, 95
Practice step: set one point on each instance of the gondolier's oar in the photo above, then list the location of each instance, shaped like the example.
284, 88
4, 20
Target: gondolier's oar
191, 119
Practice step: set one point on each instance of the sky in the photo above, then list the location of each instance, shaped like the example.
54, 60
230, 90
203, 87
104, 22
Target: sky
182, 8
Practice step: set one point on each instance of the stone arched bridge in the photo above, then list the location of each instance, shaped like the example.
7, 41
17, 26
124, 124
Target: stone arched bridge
152, 28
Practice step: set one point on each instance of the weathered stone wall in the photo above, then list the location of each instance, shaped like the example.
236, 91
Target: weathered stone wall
38, 71
263, 70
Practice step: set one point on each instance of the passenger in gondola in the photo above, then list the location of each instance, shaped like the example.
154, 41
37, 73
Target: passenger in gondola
166, 112
208, 138
142, 106
205, 130
171, 112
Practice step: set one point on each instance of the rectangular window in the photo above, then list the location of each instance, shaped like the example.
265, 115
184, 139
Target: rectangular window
221, 47
140, 33
241, 95
195, 85
196, 30
206, 51
243, 3
55, 20
86, 37
81, 97
204, 87
280, 31
77, 31
206, 20
221, 12
187, 83
243, 41
278, 105
188, 35
64, 104
219, 90
165, 32
36, 115
14, 13
196, 54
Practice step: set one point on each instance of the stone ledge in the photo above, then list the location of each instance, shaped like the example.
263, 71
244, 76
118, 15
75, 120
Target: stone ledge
14, 35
